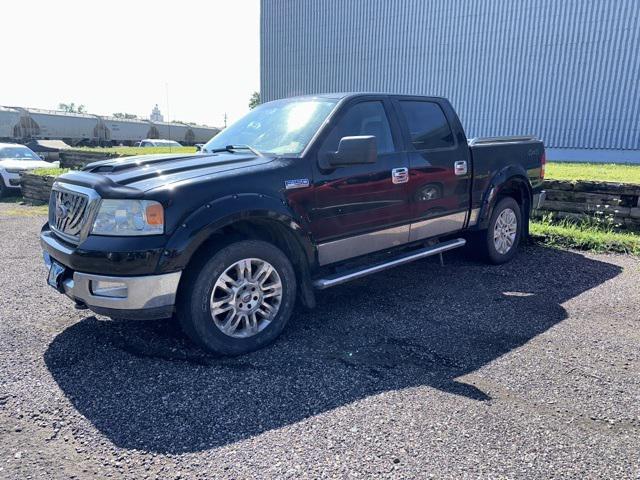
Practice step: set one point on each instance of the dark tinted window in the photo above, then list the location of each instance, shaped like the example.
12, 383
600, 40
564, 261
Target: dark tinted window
427, 125
366, 118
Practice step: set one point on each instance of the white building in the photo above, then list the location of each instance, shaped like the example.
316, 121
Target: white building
566, 71
156, 115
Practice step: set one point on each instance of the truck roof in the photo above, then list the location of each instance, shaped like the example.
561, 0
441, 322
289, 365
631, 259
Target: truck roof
341, 95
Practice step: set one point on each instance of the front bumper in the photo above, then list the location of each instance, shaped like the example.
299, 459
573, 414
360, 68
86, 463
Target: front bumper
141, 297
11, 180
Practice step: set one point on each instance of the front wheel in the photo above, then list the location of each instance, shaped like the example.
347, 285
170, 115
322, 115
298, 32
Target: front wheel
499, 243
240, 299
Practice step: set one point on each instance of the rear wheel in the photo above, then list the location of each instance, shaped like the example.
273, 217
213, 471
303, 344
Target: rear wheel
240, 299
499, 243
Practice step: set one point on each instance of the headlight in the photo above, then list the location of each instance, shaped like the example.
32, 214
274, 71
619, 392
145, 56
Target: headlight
129, 217
14, 170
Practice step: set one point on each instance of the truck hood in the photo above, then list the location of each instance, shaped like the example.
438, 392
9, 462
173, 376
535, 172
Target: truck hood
147, 172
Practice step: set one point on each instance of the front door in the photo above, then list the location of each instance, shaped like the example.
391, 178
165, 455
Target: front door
361, 208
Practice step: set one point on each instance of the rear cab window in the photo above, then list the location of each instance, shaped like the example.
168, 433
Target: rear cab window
427, 124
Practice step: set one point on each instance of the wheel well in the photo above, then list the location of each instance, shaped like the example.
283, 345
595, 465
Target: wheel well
271, 231
519, 191
268, 230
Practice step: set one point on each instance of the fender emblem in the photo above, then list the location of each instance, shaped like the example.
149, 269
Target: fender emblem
297, 183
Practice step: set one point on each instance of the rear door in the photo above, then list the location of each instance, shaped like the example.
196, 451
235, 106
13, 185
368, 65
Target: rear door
439, 166
361, 208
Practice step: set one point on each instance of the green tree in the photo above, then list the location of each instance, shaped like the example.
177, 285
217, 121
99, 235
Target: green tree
254, 101
71, 108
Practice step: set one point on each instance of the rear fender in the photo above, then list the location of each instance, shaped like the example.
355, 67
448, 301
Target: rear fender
512, 176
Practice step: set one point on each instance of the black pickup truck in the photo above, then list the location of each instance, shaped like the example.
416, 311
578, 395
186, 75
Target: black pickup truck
300, 194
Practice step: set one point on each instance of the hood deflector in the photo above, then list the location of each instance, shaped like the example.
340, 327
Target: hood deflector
104, 186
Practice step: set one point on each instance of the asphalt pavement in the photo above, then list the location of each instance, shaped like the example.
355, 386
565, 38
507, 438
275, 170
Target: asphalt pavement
527, 370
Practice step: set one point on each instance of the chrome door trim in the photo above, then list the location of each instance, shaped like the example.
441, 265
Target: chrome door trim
337, 250
345, 248
473, 217
437, 226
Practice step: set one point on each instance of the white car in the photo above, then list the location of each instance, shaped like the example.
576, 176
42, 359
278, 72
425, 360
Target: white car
14, 159
154, 142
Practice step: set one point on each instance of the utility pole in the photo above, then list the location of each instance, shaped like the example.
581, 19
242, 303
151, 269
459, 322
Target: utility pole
166, 87
225, 119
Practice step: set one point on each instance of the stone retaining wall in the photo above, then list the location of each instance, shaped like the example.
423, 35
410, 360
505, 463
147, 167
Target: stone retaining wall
36, 188
618, 203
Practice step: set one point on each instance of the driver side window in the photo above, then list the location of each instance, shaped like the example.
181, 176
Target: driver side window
365, 118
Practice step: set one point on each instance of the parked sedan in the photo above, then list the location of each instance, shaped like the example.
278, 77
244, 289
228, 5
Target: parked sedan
157, 143
14, 159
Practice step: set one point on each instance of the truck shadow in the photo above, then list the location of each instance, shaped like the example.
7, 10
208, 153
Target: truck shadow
145, 387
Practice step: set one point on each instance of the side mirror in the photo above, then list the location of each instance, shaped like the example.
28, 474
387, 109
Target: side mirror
352, 151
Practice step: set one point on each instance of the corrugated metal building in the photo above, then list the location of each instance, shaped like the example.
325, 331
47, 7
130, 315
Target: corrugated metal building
567, 71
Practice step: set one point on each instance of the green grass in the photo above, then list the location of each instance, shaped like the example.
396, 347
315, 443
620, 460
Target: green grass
28, 211
19, 208
49, 172
593, 236
129, 151
593, 171
585, 236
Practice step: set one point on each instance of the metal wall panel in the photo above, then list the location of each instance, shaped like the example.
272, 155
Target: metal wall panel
564, 70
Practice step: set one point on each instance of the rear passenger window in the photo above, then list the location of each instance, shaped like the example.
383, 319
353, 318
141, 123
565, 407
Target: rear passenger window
427, 124
365, 118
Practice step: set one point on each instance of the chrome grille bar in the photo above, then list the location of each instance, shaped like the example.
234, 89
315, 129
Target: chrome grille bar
70, 211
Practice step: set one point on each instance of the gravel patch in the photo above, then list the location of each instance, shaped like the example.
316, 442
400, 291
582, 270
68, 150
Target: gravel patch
530, 369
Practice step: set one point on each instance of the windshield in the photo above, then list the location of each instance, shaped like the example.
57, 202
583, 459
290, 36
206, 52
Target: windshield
18, 153
283, 127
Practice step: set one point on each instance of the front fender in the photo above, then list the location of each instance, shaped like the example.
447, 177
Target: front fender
200, 225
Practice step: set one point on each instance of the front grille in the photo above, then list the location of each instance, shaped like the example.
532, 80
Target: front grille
68, 214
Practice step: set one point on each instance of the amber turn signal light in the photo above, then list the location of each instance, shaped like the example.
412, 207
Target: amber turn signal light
155, 214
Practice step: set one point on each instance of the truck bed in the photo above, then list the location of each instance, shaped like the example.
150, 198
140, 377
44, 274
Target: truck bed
492, 155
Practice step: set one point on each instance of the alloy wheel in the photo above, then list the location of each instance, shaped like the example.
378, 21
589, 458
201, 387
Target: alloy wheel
246, 298
504, 231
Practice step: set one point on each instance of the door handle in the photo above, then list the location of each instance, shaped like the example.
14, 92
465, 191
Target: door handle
460, 167
400, 175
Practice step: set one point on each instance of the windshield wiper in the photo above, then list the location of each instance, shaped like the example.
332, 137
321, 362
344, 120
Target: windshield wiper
233, 148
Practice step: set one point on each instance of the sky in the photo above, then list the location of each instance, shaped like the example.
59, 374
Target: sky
123, 56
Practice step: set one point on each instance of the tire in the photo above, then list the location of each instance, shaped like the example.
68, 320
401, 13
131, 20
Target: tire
233, 288
499, 244
3, 188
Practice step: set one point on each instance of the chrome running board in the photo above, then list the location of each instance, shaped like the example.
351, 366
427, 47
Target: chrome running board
344, 277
